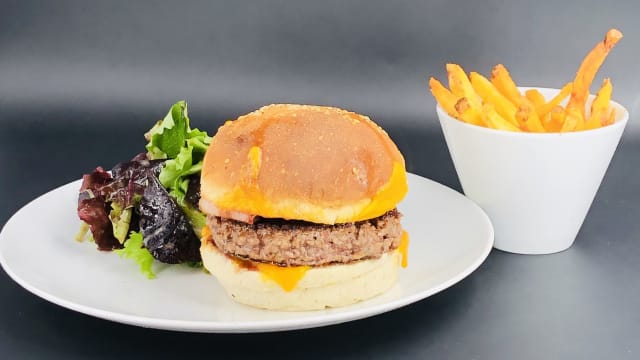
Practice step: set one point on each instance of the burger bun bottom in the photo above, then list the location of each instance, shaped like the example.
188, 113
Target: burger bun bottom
321, 287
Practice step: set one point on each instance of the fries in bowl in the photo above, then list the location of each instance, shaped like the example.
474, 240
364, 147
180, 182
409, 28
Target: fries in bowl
498, 103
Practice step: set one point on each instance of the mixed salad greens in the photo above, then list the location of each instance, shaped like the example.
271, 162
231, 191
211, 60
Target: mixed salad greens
146, 209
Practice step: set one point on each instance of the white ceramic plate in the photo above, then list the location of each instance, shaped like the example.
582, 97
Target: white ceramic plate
450, 238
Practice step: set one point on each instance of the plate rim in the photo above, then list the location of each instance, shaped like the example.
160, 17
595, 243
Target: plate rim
320, 320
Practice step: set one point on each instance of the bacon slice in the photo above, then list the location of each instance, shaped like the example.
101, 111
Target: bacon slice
210, 209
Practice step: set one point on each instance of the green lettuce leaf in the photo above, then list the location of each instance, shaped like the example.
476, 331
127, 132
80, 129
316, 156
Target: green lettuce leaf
172, 138
196, 218
120, 220
134, 250
167, 136
175, 170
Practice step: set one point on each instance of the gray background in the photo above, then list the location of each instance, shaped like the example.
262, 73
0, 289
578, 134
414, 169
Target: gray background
228, 57
81, 81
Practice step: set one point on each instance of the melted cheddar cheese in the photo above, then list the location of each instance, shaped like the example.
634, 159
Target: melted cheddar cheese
205, 233
403, 248
287, 277
388, 196
246, 197
255, 160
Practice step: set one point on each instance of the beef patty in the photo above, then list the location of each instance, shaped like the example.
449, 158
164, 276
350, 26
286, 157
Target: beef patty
290, 243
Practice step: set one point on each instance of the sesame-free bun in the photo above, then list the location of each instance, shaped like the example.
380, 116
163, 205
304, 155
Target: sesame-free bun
303, 162
321, 287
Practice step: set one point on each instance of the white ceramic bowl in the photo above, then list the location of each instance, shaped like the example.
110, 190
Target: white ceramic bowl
536, 187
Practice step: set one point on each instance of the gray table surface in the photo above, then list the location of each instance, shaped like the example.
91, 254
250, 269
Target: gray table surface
80, 83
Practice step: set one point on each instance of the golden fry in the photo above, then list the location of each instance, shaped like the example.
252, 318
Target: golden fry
495, 121
468, 113
573, 120
593, 123
546, 123
527, 117
546, 107
554, 119
461, 86
588, 69
535, 97
491, 95
444, 97
501, 79
612, 118
603, 97
600, 106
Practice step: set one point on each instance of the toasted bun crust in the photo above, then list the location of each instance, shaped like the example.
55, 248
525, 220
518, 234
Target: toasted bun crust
321, 287
303, 162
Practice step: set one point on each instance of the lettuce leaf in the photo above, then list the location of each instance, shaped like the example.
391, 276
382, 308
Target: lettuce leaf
172, 138
173, 175
196, 218
167, 136
134, 250
120, 220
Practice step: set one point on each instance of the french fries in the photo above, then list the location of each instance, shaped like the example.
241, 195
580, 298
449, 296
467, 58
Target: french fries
543, 109
469, 113
461, 86
554, 119
611, 119
444, 97
493, 120
535, 97
600, 105
589, 67
573, 119
490, 94
497, 102
501, 79
528, 117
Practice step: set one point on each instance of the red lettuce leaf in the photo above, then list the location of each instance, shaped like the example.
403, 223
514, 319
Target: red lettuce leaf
93, 209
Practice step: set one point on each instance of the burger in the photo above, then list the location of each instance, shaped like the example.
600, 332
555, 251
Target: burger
301, 208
